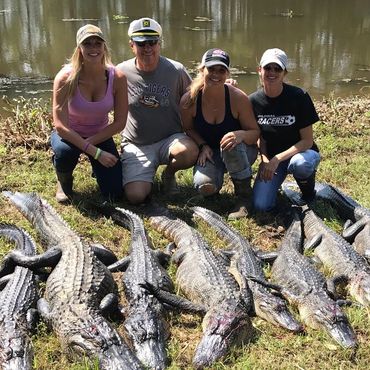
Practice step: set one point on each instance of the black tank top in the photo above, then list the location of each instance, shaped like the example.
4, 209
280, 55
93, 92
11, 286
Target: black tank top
213, 133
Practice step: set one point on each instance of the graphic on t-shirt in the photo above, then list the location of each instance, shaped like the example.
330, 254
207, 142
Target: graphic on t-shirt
272, 120
149, 101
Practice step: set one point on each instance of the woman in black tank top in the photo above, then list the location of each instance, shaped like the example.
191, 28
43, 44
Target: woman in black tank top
219, 117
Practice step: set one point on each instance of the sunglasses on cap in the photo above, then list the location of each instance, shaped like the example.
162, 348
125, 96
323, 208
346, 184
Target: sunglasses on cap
147, 42
273, 68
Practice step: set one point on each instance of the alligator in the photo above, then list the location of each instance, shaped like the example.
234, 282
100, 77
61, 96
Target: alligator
77, 290
357, 228
306, 288
247, 269
203, 278
145, 318
18, 314
336, 253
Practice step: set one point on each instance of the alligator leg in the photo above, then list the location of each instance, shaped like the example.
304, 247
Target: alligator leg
266, 257
103, 254
313, 243
349, 233
109, 307
17, 258
333, 282
4, 280
265, 283
163, 257
32, 319
174, 300
44, 309
120, 265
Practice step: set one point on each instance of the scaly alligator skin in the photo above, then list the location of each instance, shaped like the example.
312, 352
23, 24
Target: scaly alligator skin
305, 288
145, 317
17, 310
246, 265
204, 279
357, 230
75, 288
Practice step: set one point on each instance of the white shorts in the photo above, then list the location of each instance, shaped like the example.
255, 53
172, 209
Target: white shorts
140, 162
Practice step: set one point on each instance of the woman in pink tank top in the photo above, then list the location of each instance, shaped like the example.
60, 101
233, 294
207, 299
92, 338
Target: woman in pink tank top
84, 92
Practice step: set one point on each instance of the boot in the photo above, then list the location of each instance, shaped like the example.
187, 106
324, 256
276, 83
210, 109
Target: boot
64, 187
307, 187
243, 191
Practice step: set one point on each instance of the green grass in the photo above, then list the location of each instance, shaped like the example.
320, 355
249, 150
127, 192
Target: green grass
343, 138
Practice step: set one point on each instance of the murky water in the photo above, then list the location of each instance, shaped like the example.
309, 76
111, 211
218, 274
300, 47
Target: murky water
327, 41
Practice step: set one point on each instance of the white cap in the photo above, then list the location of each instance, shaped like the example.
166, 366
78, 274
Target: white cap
275, 55
144, 29
86, 31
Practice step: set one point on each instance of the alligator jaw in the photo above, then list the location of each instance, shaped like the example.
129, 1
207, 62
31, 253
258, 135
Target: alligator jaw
225, 325
342, 332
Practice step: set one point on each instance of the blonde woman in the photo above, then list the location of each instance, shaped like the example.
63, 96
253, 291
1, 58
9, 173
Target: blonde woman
219, 118
84, 92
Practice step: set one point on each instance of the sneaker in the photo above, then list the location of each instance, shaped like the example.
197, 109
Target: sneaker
169, 185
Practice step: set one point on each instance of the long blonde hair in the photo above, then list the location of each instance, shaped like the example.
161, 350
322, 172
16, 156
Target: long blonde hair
196, 85
76, 62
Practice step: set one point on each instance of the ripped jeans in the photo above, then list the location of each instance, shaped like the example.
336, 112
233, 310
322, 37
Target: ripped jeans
237, 162
301, 166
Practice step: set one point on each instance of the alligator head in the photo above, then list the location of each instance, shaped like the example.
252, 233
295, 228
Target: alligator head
97, 339
148, 332
15, 353
320, 312
274, 309
359, 287
225, 325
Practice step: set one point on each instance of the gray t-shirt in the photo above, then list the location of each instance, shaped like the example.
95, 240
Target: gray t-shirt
153, 99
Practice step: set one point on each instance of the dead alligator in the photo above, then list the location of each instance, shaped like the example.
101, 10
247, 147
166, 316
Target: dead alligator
337, 254
305, 287
145, 316
18, 314
247, 269
357, 228
77, 290
203, 278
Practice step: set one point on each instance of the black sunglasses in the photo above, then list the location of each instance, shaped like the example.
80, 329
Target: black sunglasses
147, 42
272, 68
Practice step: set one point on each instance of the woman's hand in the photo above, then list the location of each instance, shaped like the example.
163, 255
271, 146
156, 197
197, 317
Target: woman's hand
267, 169
231, 140
107, 159
205, 154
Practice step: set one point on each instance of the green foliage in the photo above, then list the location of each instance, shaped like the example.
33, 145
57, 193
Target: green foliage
343, 137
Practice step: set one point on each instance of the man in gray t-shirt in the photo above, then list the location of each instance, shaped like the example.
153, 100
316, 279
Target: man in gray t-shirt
153, 133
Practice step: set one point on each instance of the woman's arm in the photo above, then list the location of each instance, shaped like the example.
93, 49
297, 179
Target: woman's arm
241, 108
271, 165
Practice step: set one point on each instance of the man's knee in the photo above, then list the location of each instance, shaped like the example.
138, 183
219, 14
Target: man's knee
137, 193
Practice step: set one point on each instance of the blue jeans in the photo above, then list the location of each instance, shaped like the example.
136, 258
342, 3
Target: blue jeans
237, 162
301, 166
66, 157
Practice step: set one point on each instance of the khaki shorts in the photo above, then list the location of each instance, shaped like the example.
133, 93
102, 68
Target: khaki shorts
140, 162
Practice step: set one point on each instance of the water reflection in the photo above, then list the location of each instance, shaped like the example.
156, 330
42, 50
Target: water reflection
326, 40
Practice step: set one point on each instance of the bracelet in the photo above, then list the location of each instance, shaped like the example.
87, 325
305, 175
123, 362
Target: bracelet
201, 146
86, 146
97, 154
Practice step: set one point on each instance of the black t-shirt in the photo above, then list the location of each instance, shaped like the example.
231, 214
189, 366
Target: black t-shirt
281, 118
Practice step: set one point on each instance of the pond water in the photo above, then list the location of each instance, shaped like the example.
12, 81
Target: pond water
327, 41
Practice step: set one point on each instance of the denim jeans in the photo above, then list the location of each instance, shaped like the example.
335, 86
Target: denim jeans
301, 166
66, 157
237, 162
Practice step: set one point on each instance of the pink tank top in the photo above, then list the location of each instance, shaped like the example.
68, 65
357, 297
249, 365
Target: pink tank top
87, 118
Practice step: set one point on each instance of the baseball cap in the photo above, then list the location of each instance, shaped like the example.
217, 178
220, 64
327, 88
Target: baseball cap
274, 55
144, 29
213, 57
86, 31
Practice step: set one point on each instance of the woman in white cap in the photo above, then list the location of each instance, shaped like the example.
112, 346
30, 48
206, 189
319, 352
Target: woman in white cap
85, 90
285, 115
219, 118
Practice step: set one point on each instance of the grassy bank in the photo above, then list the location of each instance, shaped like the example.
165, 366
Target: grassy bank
343, 138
